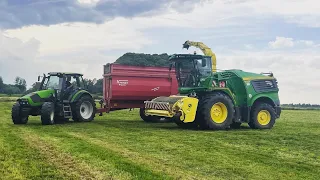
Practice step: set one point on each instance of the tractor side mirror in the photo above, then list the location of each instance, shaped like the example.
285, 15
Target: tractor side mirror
38, 78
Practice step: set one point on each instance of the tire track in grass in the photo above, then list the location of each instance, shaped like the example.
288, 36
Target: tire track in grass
69, 167
152, 162
91, 153
19, 161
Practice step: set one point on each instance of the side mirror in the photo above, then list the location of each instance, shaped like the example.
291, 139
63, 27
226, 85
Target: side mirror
38, 78
170, 67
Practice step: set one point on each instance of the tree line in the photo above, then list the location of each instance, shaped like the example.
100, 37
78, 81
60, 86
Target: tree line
18, 87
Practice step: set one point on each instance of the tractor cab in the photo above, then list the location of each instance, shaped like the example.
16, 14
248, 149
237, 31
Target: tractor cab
191, 68
64, 84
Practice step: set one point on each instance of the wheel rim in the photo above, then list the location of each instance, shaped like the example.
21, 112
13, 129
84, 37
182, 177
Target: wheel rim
86, 110
264, 117
219, 113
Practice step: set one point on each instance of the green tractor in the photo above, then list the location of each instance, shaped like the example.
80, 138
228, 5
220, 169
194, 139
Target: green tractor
61, 96
217, 100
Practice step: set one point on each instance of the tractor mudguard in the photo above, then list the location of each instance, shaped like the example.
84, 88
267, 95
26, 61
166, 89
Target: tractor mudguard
76, 96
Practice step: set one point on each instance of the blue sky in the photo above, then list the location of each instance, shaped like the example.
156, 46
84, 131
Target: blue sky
82, 35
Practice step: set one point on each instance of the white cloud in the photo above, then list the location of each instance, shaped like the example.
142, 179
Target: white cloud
62, 38
284, 42
281, 42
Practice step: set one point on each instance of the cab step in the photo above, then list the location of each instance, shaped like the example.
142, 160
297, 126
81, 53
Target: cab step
67, 112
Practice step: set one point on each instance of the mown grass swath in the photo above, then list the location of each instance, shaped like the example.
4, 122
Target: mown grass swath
121, 146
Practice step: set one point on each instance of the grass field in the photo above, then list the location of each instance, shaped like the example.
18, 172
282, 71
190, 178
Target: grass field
121, 146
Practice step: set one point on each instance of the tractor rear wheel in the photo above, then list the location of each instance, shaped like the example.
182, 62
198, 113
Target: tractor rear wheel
84, 109
153, 119
216, 111
263, 116
47, 113
17, 116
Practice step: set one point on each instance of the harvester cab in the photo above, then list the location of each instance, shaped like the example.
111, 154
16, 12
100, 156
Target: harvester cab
217, 100
191, 69
60, 96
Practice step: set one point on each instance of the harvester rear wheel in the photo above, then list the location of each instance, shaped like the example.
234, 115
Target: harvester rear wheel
263, 116
216, 111
16, 115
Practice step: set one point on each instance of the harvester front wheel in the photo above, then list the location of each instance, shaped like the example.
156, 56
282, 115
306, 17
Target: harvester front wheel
17, 116
263, 116
216, 111
47, 113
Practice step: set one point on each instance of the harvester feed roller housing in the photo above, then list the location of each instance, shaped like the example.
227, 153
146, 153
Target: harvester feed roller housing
183, 107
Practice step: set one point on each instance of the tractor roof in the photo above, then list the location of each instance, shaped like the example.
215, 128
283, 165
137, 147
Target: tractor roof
186, 56
64, 73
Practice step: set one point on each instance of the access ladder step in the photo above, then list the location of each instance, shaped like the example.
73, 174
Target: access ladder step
67, 112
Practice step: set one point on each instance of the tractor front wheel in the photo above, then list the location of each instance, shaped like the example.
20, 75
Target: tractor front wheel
84, 110
17, 116
263, 116
216, 112
47, 113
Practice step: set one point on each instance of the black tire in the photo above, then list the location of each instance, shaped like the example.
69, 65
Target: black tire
85, 103
16, 115
153, 119
266, 121
47, 113
235, 125
205, 119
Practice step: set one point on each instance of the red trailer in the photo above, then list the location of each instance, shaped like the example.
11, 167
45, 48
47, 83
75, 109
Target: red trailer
127, 87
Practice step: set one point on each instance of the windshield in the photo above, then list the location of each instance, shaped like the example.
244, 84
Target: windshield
186, 74
190, 71
52, 82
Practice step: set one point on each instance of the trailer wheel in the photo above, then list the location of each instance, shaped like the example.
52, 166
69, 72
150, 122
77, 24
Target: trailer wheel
216, 111
84, 109
47, 113
263, 116
17, 117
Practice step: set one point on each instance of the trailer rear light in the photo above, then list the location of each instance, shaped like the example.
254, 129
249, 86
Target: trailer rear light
222, 84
